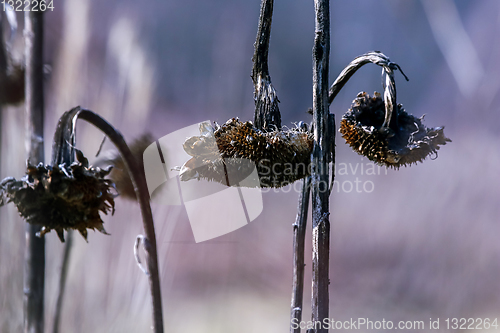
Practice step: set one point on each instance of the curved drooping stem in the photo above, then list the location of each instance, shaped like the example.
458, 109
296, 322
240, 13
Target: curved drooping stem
375, 57
63, 152
65, 138
388, 68
391, 119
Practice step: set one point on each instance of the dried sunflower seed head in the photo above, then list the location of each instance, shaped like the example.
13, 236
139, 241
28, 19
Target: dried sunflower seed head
409, 142
281, 157
61, 197
119, 175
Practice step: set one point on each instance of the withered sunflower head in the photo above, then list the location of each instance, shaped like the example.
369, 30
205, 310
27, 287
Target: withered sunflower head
61, 197
280, 157
119, 174
405, 141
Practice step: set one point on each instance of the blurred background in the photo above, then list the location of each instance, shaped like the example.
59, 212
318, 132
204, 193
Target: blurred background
424, 243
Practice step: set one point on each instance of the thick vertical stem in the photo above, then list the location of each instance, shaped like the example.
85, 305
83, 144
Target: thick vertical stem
34, 269
299, 235
319, 177
3, 74
267, 114
1, 131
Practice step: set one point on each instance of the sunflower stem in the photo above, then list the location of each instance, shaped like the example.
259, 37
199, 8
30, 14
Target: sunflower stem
34, 269
141, 190
62, 281
267, 114
375, 57
63, 152
320, 159
299, 235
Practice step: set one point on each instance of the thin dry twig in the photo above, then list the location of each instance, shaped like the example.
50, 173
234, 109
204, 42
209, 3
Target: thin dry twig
62, 281
137, 244
299, 235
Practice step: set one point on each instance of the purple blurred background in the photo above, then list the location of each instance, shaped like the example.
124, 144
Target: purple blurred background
423, 244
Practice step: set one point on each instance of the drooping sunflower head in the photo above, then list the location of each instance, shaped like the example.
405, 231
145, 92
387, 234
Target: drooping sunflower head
237, 148
61, 197
406, 141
